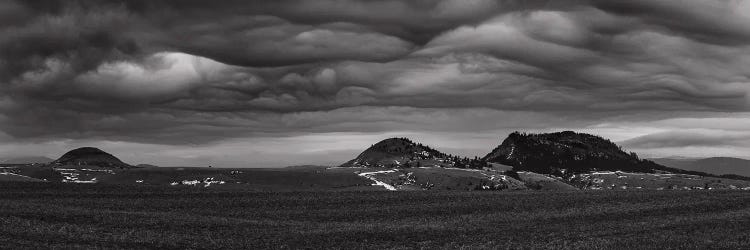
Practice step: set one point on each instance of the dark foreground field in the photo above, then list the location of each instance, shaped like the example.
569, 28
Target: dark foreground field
41, 215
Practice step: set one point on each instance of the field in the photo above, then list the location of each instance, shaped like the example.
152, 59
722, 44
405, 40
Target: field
320, 178
47, 215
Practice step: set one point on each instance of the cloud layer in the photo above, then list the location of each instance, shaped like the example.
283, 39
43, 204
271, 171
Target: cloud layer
189, 73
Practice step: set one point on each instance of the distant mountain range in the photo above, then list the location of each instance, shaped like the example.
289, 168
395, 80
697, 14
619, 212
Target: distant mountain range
713, 165
26, 160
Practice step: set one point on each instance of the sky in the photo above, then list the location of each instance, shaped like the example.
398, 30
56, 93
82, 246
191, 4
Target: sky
289, 82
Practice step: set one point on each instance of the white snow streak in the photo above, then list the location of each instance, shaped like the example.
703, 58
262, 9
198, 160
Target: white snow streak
369, 175
14, 174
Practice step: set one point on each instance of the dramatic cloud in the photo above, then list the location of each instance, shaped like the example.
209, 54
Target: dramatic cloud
663, 77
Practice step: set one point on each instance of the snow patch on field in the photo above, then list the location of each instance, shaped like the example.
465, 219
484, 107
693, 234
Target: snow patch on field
93, 180
495, 177
533, 173
73, 175
69, 176
14, 174
99, 170
5, 173
634, 180
603, 172
369, 175
466, 169
207, 182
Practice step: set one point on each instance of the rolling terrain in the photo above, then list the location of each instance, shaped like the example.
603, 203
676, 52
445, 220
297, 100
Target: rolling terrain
436, 178
90, 199
549, 162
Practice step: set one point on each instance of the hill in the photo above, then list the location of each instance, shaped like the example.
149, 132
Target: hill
567, 152
713, 165
403, 152
90, 157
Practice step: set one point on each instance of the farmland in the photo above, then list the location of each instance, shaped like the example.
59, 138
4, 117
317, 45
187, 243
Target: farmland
48, 215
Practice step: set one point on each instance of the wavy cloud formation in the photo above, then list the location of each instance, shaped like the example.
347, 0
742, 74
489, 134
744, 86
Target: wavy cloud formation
185, 72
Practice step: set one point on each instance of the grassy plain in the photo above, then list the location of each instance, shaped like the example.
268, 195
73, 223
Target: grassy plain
46, 215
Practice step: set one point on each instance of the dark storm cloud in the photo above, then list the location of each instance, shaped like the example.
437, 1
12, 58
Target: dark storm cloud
416, 21
80, 38
191, 72
720, 22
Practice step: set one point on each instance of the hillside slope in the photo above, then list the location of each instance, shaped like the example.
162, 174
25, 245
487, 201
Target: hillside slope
402, 152
91, 157
567, 152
